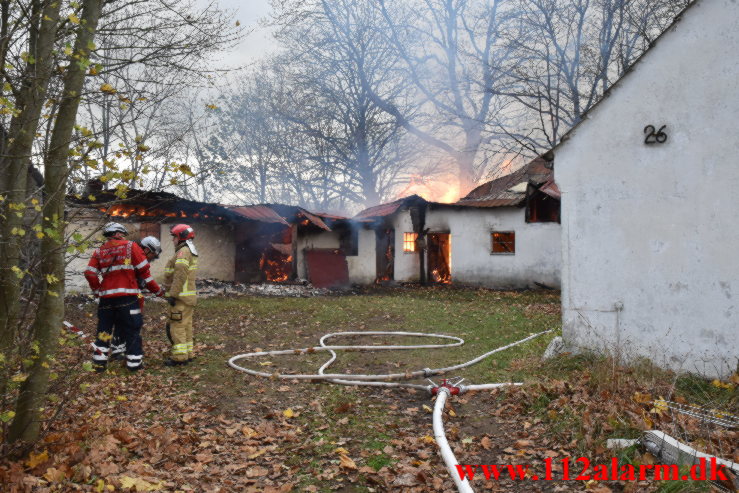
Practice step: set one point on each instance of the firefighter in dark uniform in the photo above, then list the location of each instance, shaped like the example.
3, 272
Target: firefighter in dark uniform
152, 248
119, 263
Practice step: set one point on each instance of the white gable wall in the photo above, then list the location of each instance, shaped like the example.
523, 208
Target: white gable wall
649, 235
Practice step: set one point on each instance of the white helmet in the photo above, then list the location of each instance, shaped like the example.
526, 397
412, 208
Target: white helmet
112, 228
152, 244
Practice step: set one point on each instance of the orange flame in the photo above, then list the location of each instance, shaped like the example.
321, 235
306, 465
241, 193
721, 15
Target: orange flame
443, 188
121, 210
276, 267
441, 278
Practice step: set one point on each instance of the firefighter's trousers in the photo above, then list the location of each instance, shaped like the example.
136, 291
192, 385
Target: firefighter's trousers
121, 315
180, 331
118, 343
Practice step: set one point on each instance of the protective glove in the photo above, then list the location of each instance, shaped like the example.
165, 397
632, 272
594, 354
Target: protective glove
171, 300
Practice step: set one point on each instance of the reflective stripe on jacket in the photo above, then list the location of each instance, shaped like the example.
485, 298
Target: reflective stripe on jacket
119, 263
180, 273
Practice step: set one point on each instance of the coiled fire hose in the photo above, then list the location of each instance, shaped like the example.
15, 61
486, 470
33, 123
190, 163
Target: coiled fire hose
442, 391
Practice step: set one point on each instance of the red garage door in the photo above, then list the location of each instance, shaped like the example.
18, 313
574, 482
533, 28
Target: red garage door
327, 268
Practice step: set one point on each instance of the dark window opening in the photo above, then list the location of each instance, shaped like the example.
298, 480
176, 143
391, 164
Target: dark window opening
542, 209
503, 242
349, 242
385, 254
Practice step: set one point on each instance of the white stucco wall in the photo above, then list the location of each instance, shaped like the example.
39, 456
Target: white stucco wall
85, 225
407, 265
216, 251
363, 267
537, 257
649, 235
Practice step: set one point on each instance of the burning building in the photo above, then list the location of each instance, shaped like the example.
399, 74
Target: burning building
503, 234
239, 243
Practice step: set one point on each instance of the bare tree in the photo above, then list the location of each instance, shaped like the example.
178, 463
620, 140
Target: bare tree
573, 53
455, 59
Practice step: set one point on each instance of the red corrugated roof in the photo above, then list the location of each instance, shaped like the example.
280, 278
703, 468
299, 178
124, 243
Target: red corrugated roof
389, 208
259, 213
314, 219
492, 202
380, 210
497, 193
326, 215
550, 188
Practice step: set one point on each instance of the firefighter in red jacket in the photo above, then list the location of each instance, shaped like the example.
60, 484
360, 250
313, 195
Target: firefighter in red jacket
120, 263
152, 248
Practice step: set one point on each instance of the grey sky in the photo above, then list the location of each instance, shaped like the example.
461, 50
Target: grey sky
259, 41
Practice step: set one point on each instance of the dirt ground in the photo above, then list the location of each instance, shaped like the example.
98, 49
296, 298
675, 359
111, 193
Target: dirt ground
207, 427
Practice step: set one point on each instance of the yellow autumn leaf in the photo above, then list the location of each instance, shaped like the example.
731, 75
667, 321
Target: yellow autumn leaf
248, 431
139, 484
427, 409
73, 19
288, 413
452, 413
428, 439
100, 486
721, 385
647, 420
21, 377
345, 461
54, 475
660, 406
341, 450
108, 88
36, 459
257, 453
640, 398
67, 50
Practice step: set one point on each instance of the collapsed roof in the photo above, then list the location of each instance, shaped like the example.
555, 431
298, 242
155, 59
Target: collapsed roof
510, 190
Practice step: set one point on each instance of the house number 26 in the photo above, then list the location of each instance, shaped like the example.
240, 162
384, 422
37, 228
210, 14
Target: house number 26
658, 137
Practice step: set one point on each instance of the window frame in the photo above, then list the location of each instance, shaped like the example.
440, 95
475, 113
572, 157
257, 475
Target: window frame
413, 242
349, 242
492, 242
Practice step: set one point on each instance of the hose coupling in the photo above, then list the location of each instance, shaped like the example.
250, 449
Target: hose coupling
452, 389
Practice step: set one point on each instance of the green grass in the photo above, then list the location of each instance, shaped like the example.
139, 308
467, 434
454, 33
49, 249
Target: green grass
485, 319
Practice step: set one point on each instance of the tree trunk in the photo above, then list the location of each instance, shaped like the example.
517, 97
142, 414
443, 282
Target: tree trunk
14, 164
50, 314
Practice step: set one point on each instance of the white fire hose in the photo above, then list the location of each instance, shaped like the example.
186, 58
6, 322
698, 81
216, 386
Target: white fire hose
442, 391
